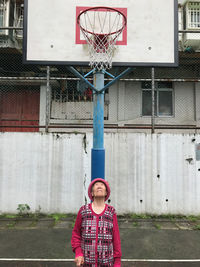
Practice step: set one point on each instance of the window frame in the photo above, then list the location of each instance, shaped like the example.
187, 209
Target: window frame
192, 9
157, 90
2, 14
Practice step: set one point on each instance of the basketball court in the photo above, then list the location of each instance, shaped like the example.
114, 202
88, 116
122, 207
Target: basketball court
50, 246
101, 34
125, 263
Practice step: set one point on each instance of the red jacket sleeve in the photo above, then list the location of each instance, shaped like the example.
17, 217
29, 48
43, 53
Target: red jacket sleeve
76, 236
116, 243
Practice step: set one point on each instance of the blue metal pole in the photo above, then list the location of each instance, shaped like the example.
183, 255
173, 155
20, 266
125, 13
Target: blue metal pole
98, 151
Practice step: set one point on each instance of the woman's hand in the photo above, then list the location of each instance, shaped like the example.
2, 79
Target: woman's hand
79, 261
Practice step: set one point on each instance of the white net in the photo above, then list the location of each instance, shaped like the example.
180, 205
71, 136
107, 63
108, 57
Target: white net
101, 28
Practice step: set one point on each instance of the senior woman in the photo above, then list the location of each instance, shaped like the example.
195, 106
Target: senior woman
95, 237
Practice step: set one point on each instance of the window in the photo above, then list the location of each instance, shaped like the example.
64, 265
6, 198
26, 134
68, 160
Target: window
2, 14
19, 14
163, 99
193, 15
72, 99
72, 91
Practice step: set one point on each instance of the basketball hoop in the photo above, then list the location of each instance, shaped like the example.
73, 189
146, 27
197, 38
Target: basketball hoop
101, 27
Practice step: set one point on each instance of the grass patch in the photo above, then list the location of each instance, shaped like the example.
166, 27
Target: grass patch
140, 216
11, 225
130, 216
135, 224
33, 224
192, 218
171, 217
197, 227
10, 216
157, 226
57, 216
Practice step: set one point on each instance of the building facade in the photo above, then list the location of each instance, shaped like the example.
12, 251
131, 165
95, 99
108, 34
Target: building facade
26, 101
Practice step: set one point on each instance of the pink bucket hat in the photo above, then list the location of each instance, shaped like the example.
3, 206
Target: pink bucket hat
98, 180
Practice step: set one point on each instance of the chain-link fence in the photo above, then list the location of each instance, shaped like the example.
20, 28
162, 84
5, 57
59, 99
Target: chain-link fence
38, 98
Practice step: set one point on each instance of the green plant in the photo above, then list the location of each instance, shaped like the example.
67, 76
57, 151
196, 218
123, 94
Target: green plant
11, 225
135, 224
38, 214
10, 216
23, 209
73, 224
192, 218
57, 216
141, 216
33, 224
158, 226
197, 227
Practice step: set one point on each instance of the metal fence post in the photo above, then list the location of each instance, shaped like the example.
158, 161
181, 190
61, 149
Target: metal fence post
47, 99
153, 100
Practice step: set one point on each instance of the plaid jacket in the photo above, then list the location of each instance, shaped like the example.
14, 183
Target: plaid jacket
96, 237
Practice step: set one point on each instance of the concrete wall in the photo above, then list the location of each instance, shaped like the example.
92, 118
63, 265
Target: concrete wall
148, 173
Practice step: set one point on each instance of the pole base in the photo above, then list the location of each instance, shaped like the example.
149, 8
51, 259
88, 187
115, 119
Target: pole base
98, 163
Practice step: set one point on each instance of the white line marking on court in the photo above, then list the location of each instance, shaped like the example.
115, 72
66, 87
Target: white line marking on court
164, 260
124, 260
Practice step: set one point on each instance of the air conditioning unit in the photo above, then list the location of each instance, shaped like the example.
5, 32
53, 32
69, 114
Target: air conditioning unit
4, 16
191, 22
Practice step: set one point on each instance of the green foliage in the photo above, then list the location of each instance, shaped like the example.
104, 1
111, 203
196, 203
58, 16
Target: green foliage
10, 216
171, 217
11, 224
23, 209
57, 216
197, 227
135, 224
192, 218
141, 216
73, 224
158, 226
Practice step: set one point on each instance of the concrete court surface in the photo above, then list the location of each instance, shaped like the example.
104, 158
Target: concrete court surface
71, 264
54, 243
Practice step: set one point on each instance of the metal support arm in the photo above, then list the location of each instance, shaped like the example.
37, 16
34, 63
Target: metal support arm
77, 74
83, 78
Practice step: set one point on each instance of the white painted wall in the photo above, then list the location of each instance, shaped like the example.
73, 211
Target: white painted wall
53, 171
138, 159
43, 170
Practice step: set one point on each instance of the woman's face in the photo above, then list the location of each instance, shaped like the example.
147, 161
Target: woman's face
99, 190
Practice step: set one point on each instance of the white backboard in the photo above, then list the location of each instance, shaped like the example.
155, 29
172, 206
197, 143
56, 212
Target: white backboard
51, 34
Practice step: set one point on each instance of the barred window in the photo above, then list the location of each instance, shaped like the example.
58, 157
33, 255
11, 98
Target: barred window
72, 91
72, 99
194, 15
163, 99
